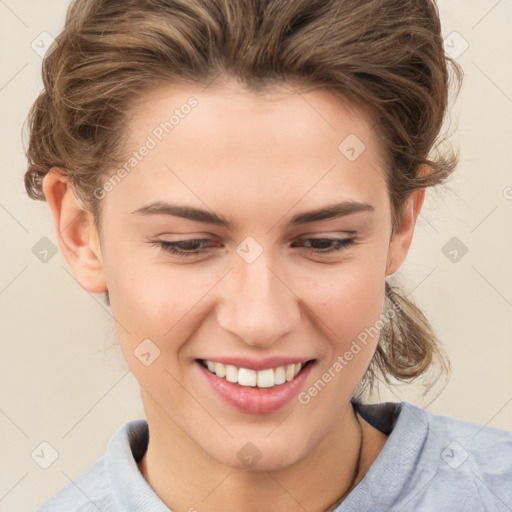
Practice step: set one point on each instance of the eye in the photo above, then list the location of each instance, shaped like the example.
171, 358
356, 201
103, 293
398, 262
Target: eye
186, 248
197, 246
327, 245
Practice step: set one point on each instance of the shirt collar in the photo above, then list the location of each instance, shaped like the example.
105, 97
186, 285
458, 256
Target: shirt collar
405, 424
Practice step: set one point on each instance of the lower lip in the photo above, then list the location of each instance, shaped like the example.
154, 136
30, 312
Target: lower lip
256, 400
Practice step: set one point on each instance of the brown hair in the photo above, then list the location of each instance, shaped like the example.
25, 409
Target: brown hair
383, 55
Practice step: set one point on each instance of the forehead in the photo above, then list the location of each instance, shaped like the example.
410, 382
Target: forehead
227, 143
231, 109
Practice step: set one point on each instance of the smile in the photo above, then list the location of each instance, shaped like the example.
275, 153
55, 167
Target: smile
266, 386
266, 378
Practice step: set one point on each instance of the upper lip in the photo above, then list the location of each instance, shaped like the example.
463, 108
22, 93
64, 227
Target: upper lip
258, 364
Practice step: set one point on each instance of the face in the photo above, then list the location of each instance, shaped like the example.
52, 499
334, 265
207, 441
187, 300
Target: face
213, 257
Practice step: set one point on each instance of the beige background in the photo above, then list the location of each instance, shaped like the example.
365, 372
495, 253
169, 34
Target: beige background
64, 381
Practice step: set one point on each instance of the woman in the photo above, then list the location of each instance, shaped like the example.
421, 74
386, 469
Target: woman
242, 178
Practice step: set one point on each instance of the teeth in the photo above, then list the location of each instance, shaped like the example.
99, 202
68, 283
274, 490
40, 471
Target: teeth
251, 378
220, 369
231, 373
279, 376
246, 377
265, 378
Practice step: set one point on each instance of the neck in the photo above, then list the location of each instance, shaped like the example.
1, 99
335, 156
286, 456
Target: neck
186, 478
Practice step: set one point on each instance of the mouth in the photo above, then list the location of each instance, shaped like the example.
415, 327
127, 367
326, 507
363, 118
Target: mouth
255, 391
246, 377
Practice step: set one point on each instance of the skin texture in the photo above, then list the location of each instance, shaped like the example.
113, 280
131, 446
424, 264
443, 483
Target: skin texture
257, 160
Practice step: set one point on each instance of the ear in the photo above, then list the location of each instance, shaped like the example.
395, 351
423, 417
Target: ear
402, 236
77, 236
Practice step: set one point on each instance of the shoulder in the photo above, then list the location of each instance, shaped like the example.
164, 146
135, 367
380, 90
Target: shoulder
111, 480
460, 463
462, 441
87, 493
434, 462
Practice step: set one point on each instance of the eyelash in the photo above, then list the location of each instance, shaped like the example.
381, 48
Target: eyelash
173, 247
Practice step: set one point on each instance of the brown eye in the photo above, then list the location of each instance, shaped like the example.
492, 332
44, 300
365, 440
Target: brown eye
327, 245
185, 248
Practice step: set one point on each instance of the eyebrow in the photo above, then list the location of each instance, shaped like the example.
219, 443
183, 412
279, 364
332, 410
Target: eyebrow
188, 212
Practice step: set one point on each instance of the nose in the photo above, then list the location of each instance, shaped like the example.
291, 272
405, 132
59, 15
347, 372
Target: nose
257, 304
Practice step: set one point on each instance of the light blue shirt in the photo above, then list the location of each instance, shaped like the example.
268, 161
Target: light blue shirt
429, 463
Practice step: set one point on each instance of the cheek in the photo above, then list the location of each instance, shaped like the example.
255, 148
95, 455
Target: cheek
347, 300
152, 310
157, 301
348, 307
163, 302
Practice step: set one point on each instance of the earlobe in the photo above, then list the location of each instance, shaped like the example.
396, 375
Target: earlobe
75, 232
402, 236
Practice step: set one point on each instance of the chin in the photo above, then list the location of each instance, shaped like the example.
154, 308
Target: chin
259, 454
